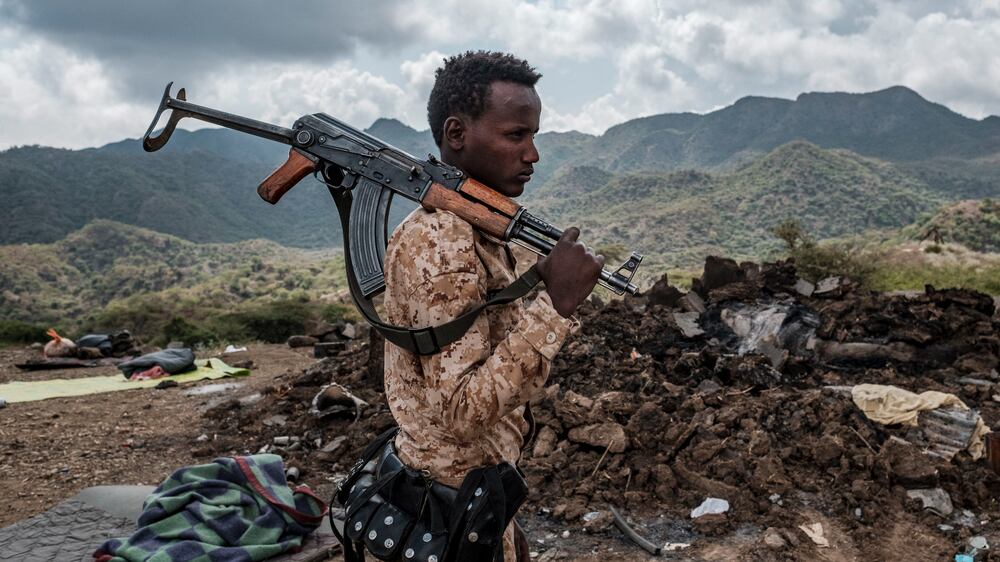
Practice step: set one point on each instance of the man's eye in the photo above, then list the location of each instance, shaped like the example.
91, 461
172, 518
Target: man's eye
517, 135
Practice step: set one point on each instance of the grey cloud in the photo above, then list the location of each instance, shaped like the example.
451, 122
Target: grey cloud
144, 43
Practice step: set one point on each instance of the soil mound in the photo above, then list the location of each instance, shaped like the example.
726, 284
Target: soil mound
738, 390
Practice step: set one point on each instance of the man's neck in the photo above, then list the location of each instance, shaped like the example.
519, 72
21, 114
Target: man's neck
450, 158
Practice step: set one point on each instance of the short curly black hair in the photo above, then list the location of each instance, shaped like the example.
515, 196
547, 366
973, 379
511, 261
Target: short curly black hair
461, 85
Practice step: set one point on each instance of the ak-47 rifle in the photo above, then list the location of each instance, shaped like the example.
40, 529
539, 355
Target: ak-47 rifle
363, 174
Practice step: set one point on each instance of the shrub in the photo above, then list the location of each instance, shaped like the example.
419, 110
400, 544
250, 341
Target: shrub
815, 261
271, 322
932, 249
179, 329
16, 331
337, 313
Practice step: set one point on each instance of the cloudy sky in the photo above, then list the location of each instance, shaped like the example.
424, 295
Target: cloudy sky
84, 73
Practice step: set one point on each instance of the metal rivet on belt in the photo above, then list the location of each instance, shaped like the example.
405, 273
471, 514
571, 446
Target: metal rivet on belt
473, 536
479, 492
409, 553
427, 537
388, 543
358, 525
388, 520
371, 535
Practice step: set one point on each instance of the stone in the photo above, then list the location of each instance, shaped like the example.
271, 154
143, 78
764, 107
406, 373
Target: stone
831, 286
302, 341
773, 539
608, 435
934, 500
687, 322
692, 302
804, 287
574, 409
545, 443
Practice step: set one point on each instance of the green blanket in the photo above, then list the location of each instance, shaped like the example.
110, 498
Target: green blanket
29, 391
234, 509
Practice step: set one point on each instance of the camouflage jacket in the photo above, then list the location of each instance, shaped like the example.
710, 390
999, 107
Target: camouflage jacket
463, 407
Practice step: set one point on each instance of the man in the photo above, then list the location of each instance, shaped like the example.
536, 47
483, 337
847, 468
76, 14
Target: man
464, 407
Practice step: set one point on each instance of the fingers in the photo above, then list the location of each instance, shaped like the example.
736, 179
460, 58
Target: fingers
570, 234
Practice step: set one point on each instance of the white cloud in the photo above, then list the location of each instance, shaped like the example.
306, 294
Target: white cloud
419, 75
683, 55
50, 95
700, 57
282, 93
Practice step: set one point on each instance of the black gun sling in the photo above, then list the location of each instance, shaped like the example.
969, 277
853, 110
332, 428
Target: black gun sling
429, 340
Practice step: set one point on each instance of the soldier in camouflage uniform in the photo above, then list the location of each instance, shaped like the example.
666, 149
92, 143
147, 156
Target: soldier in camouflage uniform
465, 406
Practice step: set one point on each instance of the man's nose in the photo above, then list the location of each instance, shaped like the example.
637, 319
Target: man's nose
530, 155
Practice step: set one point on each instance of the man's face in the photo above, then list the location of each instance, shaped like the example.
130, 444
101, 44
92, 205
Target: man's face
499, 146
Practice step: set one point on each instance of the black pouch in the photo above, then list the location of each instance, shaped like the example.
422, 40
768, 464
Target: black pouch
400, 515
486, 503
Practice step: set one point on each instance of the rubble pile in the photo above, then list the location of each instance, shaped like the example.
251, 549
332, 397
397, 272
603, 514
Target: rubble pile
739, 392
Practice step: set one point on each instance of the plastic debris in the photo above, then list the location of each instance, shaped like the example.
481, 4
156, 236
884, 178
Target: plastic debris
711, 506
948, 424
233, 349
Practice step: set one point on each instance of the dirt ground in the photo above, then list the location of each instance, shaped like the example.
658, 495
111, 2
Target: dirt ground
51, 449
773, 431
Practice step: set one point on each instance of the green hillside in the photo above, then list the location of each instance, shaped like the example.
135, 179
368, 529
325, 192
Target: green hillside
679, 217
894, 124
972, 223
109, 276
677, 186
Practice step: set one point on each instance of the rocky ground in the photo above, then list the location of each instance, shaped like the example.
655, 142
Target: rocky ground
739, 390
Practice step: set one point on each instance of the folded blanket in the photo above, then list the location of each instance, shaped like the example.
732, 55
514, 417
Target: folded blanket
234, 508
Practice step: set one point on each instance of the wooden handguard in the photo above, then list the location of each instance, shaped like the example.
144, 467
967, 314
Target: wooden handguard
487, 196
285, 177
478, 215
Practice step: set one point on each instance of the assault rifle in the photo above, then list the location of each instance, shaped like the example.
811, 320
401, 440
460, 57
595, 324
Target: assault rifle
363, 174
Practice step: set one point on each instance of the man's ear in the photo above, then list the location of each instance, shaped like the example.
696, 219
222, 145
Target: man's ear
454, 133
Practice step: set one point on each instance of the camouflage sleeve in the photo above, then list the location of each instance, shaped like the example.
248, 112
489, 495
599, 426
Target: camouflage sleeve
473, 385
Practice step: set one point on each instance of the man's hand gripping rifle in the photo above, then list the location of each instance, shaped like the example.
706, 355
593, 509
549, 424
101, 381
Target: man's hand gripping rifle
363, 174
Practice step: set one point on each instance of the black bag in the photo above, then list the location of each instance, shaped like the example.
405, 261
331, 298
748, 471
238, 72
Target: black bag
399, 514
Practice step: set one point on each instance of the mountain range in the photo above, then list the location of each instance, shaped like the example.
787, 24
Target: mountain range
675, 186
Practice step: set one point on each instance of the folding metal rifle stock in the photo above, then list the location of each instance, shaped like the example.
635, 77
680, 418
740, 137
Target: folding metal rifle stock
363, 174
